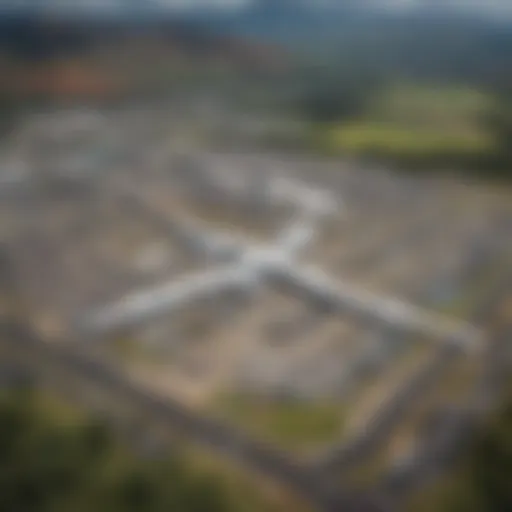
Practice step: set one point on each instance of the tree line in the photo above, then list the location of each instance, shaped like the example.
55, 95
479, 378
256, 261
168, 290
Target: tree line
49, 466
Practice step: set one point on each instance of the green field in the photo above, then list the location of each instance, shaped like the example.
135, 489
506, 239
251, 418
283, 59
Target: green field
291, 424
413, 122
391, 138
435, 106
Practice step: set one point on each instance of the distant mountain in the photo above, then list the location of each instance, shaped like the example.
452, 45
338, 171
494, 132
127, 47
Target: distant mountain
113, 49
425, 39
290, 20
61, 55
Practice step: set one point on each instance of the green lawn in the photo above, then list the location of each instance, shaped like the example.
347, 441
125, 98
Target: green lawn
388, 138
435, 106
412, 123
292, 424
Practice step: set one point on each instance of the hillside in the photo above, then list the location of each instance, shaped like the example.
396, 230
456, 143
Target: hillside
104, 58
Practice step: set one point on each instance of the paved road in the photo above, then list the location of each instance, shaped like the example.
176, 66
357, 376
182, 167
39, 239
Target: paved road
457, 426
348, 455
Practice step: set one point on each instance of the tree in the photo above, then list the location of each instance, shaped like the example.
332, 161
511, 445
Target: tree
484, 484
335, 94
45, 467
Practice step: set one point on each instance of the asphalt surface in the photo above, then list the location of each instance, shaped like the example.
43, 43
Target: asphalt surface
348, 455
458, 425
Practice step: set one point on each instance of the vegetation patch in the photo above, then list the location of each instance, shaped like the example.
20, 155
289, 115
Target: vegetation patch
291, 423
415, 126
481, 482
483, 282
456, 108
48, 464
389, 139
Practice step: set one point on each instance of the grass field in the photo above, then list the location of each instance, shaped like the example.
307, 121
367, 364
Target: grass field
414, 122
390, 138
434, 106
291, 424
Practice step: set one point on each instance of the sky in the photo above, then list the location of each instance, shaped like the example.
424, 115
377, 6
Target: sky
68, 4
483, 6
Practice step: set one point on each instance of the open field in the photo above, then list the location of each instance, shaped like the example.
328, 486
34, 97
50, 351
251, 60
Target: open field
292, 424
414, 123
387, 138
